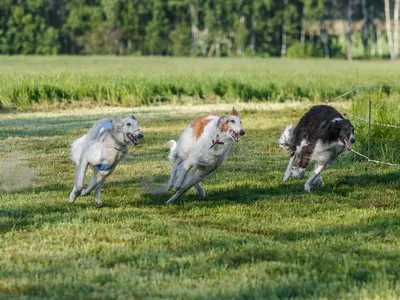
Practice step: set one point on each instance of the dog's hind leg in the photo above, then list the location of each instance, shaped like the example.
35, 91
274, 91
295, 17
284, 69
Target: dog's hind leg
94, 181
175, 167
288, 171
315, 174
79, 179
182, 175
200, 190
304, 157
193, 178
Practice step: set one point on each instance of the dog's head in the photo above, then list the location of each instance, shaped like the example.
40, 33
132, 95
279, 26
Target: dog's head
231, 125
345, 132
128, 130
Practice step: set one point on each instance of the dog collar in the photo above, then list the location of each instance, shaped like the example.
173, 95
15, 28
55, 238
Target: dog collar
214, 142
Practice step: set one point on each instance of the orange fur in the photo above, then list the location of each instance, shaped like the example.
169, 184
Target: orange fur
225, 125
198, 125
234, 112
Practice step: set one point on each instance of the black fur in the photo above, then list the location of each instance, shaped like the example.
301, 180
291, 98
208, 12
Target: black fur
317, 124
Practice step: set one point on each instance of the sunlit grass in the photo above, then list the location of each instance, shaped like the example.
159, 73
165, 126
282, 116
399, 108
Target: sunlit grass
254, 237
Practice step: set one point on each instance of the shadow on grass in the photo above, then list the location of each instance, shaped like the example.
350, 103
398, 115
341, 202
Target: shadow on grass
36, 216
370, 179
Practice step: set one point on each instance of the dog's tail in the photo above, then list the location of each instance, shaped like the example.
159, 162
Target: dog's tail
284, 140
77, 148
172, 150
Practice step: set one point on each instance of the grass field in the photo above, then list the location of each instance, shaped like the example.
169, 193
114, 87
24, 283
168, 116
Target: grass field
254, 237
27, 82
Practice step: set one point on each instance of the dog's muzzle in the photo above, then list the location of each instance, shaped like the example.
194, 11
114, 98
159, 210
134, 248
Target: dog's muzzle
134, 138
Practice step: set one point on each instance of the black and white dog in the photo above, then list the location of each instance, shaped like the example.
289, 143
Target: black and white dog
320, 136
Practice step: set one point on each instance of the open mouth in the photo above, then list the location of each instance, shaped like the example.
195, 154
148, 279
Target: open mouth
347, 144
234, 135
133, 138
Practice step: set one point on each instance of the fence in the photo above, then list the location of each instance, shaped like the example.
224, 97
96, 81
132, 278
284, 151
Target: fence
368, 121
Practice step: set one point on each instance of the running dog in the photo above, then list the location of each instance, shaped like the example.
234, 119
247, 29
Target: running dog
201, 149
320, 136
102, 148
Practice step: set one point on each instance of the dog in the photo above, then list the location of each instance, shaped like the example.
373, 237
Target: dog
320, 136
201, 149
102, 148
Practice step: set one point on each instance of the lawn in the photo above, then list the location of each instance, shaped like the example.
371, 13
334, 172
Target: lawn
27, 82
253, 237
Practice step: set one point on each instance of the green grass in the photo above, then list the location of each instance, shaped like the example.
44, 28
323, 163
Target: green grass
27, 82
384, 110
254, 237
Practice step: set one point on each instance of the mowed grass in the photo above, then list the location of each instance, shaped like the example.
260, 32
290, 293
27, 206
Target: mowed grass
27, 82
254, 237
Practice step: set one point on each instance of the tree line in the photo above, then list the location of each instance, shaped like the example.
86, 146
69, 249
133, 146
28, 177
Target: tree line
293, 28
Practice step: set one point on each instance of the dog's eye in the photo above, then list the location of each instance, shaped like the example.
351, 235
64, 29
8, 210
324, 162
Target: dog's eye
233, 121
129, 124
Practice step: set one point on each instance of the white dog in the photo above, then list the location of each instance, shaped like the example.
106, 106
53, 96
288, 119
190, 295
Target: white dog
102, 148
201, 149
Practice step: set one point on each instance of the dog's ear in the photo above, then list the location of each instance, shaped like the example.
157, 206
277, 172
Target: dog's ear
117, 124
337, 123
234, 112
221, 121
133, 117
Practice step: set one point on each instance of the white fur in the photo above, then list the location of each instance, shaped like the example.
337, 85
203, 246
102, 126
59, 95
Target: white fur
336, 119
106, 149
324, 153
285, 137
76, 148
172, 150
194, 159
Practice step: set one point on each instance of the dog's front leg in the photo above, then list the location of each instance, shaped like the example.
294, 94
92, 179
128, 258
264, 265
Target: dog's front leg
97, 200
316, 173
79, 178
289, 167
194, 178
172, 180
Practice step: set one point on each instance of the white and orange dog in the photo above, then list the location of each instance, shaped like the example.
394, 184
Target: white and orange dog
201, 149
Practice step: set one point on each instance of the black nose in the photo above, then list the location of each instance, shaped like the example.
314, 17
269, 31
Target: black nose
242, 132
353, 140
140, 136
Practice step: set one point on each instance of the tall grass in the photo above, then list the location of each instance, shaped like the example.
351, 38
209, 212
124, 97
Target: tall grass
385, 141
131, 81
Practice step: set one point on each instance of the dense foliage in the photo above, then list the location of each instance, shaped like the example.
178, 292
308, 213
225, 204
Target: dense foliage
185, 27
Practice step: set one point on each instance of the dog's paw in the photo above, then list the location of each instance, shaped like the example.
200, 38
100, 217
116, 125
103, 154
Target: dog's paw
72, 197
319, 182
299, 174
98, 203
307, 187
85, 192
201, 192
